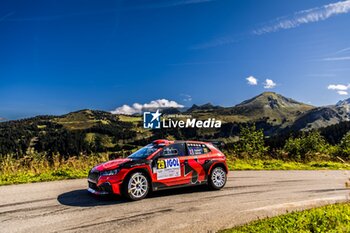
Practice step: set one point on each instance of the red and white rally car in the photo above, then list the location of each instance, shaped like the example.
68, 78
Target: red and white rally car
160, 165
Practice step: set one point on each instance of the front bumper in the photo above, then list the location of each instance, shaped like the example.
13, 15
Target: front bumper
90, 190
103, 185
103, 189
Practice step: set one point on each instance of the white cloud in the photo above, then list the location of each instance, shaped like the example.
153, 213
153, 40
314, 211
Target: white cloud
282, 23
252, 80
338, 87
269, 84
306, 16
336, 59
343, 50
342, 92
186, 97
126, 109
139, 108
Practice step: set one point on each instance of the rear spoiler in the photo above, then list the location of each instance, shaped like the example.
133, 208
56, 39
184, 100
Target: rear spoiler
218, 144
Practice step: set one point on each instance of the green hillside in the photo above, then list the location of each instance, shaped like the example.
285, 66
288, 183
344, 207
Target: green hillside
84, 131
90, 131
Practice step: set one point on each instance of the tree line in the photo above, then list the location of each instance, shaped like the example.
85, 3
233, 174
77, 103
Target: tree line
301, 146
43, 135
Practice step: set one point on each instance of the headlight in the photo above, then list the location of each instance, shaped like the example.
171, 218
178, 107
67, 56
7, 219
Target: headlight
109, 173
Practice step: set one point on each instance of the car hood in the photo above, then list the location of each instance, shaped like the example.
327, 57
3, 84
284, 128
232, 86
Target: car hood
113, 164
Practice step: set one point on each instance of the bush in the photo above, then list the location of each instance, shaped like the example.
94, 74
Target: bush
251, 142
344, 146
308, 147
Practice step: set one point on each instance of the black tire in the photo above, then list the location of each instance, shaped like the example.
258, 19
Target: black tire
136, 186
217, 178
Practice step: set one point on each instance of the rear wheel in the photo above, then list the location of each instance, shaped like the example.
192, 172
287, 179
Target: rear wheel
217, 178
136, 186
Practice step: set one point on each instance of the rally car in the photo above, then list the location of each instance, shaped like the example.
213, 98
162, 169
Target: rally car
163, 164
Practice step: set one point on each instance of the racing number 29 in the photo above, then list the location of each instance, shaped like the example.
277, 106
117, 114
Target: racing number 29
168, 163
160, 164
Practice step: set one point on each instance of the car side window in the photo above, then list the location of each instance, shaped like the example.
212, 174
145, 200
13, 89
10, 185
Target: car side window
176, 149
197, 149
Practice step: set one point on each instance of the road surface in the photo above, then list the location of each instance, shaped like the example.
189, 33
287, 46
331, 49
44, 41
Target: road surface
65, 206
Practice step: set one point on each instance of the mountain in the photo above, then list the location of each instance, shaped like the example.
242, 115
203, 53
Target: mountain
319, 118
268, 106
204, 107
344, 105
170, 111
324, 116
273, 106
2, 119
342, 102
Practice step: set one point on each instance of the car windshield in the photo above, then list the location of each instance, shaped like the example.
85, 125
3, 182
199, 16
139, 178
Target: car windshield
144, 152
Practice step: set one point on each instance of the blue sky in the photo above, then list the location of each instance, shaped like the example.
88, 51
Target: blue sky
61, 56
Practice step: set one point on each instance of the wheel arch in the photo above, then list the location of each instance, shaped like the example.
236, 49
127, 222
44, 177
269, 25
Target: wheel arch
218, 164
143, 170
124, 184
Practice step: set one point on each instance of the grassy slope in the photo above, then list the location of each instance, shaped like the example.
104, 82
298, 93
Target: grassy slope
331, 218
79, 120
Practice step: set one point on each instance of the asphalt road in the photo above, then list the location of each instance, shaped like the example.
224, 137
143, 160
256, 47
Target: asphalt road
65, 206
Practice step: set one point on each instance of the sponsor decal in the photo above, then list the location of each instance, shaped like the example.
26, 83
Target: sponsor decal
152, 120
168, 168
197, 149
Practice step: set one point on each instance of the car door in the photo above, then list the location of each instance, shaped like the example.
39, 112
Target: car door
196, 159
167, 166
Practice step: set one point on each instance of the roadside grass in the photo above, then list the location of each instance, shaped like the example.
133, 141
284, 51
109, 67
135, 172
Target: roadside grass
274, 164
331, 218
37, 167
30, 177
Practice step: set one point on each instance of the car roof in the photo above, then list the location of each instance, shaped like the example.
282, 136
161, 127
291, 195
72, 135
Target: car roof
168, 142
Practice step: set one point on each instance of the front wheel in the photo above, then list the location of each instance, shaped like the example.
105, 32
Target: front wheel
136, 187
217, 178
